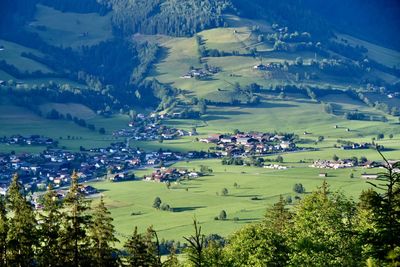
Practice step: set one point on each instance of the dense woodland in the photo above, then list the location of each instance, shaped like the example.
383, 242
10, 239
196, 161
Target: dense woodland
171, 17
321, 18
324, 228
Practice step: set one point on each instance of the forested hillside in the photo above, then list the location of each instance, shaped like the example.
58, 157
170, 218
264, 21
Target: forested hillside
371, 20
171, 17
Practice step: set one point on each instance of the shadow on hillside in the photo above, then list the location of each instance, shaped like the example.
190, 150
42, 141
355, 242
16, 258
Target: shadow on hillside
229, 113
162, 55
215, 117
222, 115
183, 209
275, 105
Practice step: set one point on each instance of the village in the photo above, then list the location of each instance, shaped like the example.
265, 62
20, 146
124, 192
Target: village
115, 163
248, 144
118, 161
32, 140
150, 128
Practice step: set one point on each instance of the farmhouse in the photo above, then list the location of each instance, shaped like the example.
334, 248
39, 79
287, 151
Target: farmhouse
245, 140
287, 145
87, 190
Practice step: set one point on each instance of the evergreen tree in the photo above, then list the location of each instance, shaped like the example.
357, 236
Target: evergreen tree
102, 235
382, 227
3, 231
278, 217
195, 250
141, 250
49, 230
22, 232
74, 240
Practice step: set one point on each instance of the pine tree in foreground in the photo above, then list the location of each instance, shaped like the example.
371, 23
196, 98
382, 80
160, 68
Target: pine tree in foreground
382, 225
102, 236
50, 229
195, 251
3, 231
75, 246
22, 234
141, 250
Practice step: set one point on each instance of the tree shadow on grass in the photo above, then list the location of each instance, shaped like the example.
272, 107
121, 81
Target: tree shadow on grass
183, 209
258, 196
247, 220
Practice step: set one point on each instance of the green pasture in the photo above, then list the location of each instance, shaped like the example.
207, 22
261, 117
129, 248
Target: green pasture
12, 55
18, 120
182, 53
378, 53
76, 110
227, 39
201, 198
70, 29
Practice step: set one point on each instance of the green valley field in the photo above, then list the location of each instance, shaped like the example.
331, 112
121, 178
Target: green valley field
201, 198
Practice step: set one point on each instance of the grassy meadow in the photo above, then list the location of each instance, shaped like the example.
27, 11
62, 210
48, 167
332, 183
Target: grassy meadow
69, 29
18, 120
386, 56
201, 198
12, 55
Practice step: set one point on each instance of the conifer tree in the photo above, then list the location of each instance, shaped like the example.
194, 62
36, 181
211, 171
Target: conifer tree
153, 247
75, 245
50, 228
102, 235
195, 251
3, 231
381, 229
141, 251
278, 216
22, 232
136, 250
